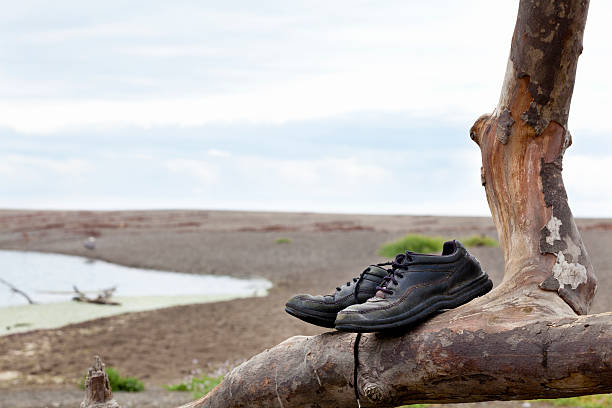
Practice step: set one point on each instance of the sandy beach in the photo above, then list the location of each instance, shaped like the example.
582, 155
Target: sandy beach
162, 346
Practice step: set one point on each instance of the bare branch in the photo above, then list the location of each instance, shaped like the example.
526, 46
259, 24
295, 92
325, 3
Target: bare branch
18, 291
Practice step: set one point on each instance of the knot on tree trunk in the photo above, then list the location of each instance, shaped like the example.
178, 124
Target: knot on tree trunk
98, 392
374, 392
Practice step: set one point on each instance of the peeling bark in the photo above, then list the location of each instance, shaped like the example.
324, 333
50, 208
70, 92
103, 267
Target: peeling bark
504, 126
545, 47
523, 339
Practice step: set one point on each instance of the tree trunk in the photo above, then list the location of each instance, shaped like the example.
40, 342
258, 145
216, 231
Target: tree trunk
522, 340
522, 146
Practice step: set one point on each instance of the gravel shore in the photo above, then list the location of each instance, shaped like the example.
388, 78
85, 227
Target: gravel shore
163, 346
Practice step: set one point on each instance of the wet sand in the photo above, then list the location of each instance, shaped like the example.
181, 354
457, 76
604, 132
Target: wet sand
160, 346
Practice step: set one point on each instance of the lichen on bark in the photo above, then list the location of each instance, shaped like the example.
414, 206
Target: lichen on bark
572, 273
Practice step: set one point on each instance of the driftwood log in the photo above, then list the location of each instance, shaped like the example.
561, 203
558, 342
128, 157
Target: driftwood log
528, 338
103, 297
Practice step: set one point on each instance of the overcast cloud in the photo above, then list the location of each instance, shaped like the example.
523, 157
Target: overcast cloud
358, 106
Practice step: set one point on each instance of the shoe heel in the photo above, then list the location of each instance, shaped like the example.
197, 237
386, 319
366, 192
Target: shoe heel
478, 288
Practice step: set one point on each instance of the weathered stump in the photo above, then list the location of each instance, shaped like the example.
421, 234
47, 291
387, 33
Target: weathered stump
98, 393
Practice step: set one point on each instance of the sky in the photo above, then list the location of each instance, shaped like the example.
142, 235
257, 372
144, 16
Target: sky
328, 106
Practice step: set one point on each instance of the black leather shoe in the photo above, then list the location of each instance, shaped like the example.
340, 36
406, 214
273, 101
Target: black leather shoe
417, 286
322, 310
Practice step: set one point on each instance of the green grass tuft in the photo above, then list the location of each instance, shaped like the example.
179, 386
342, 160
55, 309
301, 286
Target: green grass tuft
283, 240
119, 383
586, 401
414, 243
198, 386
429, 245
479, 240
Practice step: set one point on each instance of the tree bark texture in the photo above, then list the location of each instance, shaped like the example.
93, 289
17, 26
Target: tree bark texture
528, 338
436, 363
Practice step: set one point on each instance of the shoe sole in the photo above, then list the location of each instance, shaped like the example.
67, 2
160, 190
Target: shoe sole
476, 288
322, 319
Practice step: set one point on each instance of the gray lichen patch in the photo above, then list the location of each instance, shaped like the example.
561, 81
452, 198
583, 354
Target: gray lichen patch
567, 273
553, 228
559, 225
572, 273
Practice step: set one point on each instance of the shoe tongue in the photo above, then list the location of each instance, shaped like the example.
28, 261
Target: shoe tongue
380, 294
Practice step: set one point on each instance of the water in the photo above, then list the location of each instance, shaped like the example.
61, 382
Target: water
49, 278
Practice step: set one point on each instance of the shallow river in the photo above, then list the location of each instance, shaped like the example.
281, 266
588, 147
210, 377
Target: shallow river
48, 279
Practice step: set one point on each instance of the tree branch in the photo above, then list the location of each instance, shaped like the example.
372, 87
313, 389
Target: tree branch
18, 291
546, 359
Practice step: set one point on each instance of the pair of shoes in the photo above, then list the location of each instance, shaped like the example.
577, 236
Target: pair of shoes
413, 288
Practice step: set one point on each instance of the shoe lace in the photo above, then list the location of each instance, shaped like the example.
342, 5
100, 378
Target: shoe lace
398, 267
357, 280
